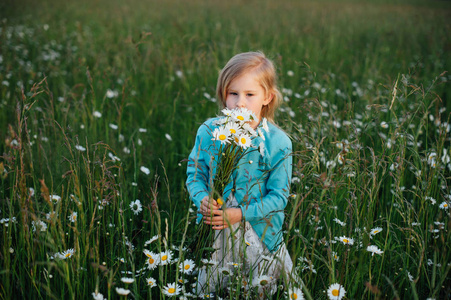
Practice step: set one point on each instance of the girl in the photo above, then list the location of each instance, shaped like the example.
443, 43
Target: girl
250, 227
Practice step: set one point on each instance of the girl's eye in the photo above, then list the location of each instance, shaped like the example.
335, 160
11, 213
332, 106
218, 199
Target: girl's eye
250, 95
233, 93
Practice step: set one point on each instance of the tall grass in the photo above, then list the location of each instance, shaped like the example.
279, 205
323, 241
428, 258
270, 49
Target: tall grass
93, 91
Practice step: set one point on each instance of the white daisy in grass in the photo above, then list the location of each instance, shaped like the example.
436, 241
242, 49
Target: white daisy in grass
97, 114
243, 115
80, 148
66, 254
339, 222
374, 250
97, 296
73, 217
265, 124
209, 262
295, 294
152, 259
113, 126
346, 240
165, 257
136, 206
244, 141
145, 170
151, 240
55, 198
234, 264
39, 225
168, 137
444, 205
187, 266
122, 291
221, 134
172, 289
224, 271
127, 280
335, 256
261, 281
375, 230
151, 282
384, 125
336, 291
233, 128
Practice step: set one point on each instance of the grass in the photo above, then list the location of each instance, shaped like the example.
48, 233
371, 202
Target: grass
150, 68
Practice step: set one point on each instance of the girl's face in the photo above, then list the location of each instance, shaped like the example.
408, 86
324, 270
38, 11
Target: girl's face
245, 91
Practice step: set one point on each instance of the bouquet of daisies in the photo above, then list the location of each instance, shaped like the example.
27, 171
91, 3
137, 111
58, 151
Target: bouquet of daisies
235, 135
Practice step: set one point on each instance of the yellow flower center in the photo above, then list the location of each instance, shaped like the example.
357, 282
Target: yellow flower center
187, 267
171, 291
67, 255
294, 296
151, 260
346, 241
445, 205
150, 282
232, 130
220, 202
376, 231
243, 141
164, 257
335, 293
222, 137
241, 118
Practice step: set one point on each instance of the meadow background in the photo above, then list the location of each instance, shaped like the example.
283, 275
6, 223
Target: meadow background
99, 106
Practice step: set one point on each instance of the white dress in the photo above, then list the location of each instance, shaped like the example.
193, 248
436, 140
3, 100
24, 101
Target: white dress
240, 249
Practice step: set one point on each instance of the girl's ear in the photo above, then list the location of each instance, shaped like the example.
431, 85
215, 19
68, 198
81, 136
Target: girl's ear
268, 99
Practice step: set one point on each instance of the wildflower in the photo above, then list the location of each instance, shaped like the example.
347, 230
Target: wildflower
444, 205
375, 230
127, 280
410, 276
168, 137
122, 292
151, 282
179, 74
346, 240
66, 254
232, 128
97, 114
113, 126
111, 94
265, 124
244, 141
187, 266
39, 225
374, 250
152, 259
261, 149
432, 159
165, 257
136, 206
224, 271
384, 125
221, 134
172, 289
339, 222
80, 148
335, 256
295, 294
433, 201
73, 217
145, 170
336, 291
260, 133
261, 281
152, 239
290, 73
55, 198
97, 296
243, 115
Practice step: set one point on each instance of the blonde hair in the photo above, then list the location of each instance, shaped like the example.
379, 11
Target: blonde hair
266, 76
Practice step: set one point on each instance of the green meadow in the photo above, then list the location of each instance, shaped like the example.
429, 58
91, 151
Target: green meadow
100, 102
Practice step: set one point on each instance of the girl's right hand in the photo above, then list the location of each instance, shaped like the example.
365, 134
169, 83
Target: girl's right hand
207, 206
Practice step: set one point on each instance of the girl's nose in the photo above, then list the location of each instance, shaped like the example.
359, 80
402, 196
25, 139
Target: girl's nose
241, 102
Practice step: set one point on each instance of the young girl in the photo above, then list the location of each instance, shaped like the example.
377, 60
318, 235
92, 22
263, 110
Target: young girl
249, 229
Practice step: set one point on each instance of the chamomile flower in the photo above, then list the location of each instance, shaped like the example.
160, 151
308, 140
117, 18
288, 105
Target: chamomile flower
152, 259
261, 281
244, 141
151, 240
136, 206
145, 170
80, 148
97, 296
66, 254
187, 266
243, 115
374, 250
335, 256
375, 230
221, 134
336, 291
227, 112
73, 217
151, 282
233, 128
384, 125
165, 257
224, 271
39, 225
265, 124
295, 294
172, 289
55, 198
127, 280
444, 205
260, 133
261, 149
248, 128
122, 292
346, 240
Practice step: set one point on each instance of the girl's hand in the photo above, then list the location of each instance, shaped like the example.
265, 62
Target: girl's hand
223, 218
207, 206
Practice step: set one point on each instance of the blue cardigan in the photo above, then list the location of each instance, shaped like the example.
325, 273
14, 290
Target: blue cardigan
261, 184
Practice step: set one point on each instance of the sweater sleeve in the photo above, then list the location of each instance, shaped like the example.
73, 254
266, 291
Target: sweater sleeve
198, 169
277, 185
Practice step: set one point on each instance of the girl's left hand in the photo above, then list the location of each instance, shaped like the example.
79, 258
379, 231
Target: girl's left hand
223, 218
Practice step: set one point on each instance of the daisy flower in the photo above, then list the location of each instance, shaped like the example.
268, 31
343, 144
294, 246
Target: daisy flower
187, 266
335, 256
244, 141
261, 134
346, 240
172, 289
39, 225
242, 115
122, 292
136, 206
375, 230
261, 149
249, 129
80, 148
295, 294
73, 217
55, 198
227, 112
152, 239
127, 280
233, 128
261, 281
224, 271
265, 124
151, 282
221, 134
165, 257
209, 262
384, 125
97, 114
444, 205
145, 170
97, 296
152, 259
336, 291
66, 254
374, 250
